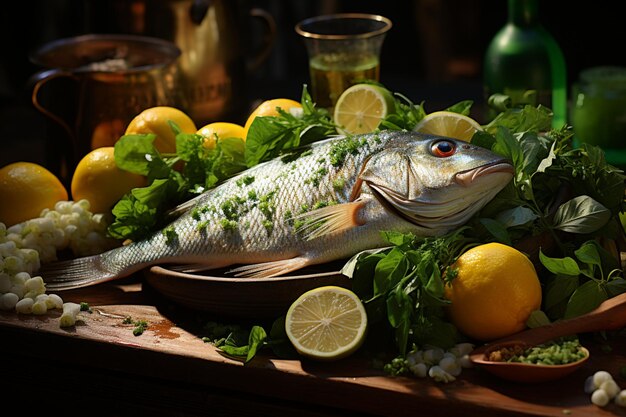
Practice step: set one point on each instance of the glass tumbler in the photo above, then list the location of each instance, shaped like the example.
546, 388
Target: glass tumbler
343, 49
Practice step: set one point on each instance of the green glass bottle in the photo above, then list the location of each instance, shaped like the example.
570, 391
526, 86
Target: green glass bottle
525, 63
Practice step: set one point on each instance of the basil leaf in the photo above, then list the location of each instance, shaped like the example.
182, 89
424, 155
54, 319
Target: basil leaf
517, 216
559, 289
434, 286
279, 342
497, 229
582, 215
399, 309
133, 219
389, 271
255, 341
586, 298
264, 135
616, 286
565, 266
588, 253
398, 238
462, 107
133, 153
537, 318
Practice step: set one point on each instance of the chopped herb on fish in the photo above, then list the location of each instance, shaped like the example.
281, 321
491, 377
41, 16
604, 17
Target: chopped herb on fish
245, 180
170, 235
228, 224
351, 145
339, 184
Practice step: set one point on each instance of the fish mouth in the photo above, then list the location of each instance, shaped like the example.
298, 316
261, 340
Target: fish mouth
466, 178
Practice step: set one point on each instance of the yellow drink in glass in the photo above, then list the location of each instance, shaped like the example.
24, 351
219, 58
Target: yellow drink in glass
332, 74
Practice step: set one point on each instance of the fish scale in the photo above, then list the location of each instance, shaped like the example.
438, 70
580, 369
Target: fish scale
296, 210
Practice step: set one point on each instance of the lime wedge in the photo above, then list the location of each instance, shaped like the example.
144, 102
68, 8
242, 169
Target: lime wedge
326, 323
361, 108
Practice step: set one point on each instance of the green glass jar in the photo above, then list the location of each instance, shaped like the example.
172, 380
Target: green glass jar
524, 62
598, 111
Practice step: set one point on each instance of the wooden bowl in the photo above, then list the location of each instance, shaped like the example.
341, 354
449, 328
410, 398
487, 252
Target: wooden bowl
241, 297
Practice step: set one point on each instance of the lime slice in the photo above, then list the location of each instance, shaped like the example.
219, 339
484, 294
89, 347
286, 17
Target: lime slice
449, 124
326, 323
361, 108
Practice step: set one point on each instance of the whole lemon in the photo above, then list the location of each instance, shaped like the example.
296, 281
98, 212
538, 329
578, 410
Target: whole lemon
98, 180
156, 120
220, 130
26, 189
494, 292
268, 108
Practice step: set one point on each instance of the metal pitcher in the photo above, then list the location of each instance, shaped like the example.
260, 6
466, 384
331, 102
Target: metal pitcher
107, 81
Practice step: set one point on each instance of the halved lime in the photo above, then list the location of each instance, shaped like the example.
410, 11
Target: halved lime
449, 124
362, 107
326, 323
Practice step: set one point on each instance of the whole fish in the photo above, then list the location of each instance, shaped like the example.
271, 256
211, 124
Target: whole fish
324, 202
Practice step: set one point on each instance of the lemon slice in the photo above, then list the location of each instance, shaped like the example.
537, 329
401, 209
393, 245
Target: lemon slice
326, 323
449, 124
361, 108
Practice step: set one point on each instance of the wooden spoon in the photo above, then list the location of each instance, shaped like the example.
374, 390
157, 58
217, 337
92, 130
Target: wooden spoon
610, 315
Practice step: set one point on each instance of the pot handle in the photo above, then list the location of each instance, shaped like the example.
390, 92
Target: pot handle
37, 81
269, 38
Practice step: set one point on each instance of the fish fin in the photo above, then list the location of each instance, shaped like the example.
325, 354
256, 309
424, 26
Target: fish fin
271, 269
194, 267
77, 273
330, 219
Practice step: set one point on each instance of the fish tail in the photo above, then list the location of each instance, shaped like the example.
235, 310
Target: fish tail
80, 272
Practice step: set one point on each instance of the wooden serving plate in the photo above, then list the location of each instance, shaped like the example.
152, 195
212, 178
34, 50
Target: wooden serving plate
216, 292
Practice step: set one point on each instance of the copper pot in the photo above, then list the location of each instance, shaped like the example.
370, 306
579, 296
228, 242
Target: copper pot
109, 79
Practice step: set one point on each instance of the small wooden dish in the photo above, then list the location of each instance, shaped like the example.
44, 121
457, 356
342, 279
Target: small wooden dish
251, 298
524, 372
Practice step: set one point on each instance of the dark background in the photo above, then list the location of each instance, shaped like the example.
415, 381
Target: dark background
433, 53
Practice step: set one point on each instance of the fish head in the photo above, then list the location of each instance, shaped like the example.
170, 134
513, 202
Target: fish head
433, 181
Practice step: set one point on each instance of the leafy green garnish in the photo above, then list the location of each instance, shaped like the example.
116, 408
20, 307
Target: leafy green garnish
270, 136
404, 287
142, 211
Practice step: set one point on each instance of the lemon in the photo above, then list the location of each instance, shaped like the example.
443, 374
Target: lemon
326, 323
26, 189
494, 293
156, 120
269, 108
361, 108
449, 124
98, 180
220, 130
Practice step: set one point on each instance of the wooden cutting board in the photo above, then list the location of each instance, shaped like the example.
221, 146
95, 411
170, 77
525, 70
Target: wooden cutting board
169, 368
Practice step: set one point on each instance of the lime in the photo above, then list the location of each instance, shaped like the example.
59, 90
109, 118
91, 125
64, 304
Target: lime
362, 107
449, 124
326, 323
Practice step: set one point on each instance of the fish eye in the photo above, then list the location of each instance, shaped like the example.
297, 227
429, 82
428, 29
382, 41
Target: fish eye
443, 148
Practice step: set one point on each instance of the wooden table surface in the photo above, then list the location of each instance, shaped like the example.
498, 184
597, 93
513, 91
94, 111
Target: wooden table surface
99, 367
